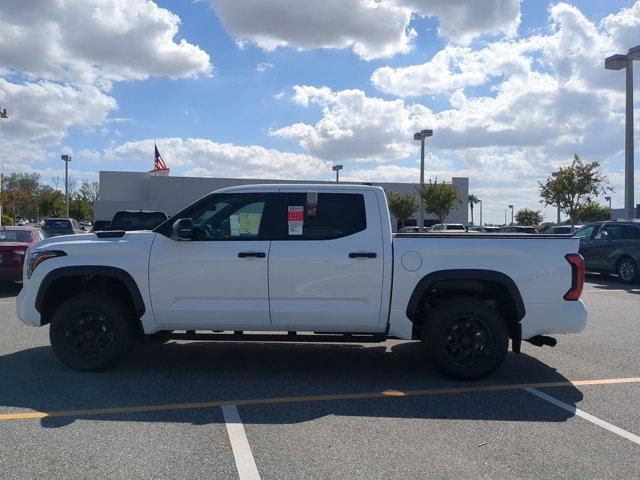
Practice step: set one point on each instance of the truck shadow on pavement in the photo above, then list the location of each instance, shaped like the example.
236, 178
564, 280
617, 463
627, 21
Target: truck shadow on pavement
154, 374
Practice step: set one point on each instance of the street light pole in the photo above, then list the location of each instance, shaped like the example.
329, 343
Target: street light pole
608, 199
480, 212
3, 114
66, 159
618, 62
337, 168
511, 207
421, 135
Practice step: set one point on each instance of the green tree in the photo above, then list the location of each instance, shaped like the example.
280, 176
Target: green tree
473, 200
15, 201
573, 185
439, 198
592, 212
29, 183
51, 202
528, 217
402, 206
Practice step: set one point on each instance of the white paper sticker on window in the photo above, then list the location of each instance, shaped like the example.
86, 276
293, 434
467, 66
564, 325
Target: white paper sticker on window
295, 219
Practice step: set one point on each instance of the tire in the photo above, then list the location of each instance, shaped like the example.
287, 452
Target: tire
465, 357
627, 270
92, 331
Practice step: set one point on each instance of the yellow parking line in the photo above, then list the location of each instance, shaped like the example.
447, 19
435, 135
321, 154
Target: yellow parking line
308, 398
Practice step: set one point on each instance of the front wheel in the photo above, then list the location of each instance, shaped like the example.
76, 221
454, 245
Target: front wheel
627, 270
91, 331
466, 339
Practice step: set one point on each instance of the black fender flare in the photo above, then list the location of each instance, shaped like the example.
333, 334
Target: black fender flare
87, 271
466, 274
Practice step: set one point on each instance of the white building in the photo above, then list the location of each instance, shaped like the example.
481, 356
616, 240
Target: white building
141, 191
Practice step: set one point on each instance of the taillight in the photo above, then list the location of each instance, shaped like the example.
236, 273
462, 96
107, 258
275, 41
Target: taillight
577, 276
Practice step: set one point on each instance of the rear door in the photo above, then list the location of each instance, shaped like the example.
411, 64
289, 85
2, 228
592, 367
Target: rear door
326, 272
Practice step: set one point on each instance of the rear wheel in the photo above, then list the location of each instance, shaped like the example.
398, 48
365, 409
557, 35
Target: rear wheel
92, 331
465, 338
627, 270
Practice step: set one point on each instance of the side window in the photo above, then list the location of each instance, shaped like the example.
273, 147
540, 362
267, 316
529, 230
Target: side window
631, 232
336, 215
610, 232
230, 217
586, 232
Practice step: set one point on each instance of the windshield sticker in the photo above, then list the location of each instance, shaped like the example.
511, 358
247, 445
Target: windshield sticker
295, 219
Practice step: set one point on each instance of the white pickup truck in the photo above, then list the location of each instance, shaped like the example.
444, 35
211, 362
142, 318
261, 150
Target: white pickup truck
312, 262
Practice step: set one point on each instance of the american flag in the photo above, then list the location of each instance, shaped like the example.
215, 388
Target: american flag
159, 162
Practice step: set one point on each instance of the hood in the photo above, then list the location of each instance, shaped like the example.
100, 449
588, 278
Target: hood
90, 239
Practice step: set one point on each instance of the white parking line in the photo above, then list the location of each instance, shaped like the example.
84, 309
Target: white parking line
245, 463
587, 416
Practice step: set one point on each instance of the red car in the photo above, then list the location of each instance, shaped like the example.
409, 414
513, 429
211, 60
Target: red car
14, 242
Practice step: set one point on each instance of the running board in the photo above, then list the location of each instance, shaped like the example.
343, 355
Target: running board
239, 336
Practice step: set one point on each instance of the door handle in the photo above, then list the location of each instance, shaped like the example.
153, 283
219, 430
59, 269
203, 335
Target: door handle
252, 254
362, 255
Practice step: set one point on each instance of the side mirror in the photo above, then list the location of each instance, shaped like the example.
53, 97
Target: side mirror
182, 230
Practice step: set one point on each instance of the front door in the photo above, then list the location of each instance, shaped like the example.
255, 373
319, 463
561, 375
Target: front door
327, 271
220, 278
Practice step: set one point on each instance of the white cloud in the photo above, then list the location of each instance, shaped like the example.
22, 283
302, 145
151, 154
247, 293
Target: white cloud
43, 112
463, 20
203, 157
88, 41
373, 29
355, 127
263, 67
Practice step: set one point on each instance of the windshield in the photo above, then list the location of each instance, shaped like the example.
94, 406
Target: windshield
137, 220
57, 225
15, 236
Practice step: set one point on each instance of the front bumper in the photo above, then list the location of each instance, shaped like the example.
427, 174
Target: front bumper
26, 308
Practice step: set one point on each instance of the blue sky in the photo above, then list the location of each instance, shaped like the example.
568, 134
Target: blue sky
277, 89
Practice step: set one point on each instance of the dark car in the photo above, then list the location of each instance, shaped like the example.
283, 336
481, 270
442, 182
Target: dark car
137, 220
61, 226
611, 247
14, 242
100, 225
563, 229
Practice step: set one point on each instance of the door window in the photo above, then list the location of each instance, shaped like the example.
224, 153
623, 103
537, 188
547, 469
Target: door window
610, 232
241, 216
586, 232
631, 232
335, 215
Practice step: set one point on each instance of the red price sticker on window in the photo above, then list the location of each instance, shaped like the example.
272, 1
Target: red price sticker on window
296, 214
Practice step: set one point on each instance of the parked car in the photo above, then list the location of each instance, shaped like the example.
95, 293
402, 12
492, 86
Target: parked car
562, 229
611, 247
129, 220
484, 229
100, 225
414, 229
61, 226
22, 222
517, 229
303, 258
448, 227
14, 242
85, 225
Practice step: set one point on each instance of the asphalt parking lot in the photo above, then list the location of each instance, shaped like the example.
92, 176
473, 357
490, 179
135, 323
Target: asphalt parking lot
290, 411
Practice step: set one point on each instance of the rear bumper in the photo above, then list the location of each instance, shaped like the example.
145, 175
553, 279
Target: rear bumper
11, 274
554, 318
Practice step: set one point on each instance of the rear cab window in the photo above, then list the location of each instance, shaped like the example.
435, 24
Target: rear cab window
57, 225
335, 215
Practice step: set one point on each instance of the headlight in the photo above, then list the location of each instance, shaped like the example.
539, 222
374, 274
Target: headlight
36, 258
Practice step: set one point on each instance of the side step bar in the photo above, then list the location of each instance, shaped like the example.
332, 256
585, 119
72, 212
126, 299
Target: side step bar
239, 336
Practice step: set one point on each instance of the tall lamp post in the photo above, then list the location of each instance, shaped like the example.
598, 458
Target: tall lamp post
3, 114
618, 62
511, 208
480, 212
421, 135
66, 159
608, 199
337, 168
554, 175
